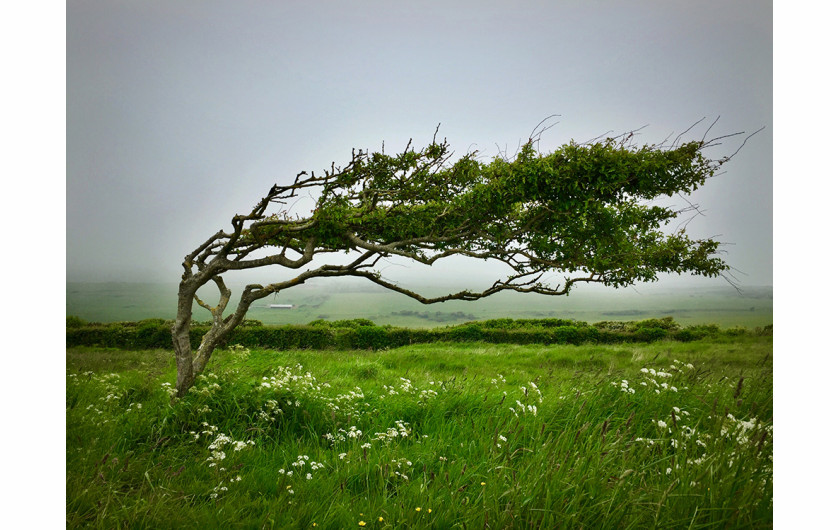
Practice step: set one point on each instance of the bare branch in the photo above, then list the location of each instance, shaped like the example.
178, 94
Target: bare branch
703, 140
677, 139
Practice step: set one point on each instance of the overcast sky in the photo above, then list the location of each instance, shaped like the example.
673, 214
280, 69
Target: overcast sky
181, 114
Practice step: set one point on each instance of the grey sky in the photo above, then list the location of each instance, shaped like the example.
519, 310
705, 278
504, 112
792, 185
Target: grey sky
180, 114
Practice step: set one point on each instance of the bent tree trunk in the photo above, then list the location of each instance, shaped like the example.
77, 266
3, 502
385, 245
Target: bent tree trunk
181, 339
190, 364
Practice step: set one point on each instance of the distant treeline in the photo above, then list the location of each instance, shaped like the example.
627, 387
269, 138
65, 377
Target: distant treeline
365, 334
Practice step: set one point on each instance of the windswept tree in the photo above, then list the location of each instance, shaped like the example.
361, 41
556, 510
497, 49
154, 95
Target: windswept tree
584, 211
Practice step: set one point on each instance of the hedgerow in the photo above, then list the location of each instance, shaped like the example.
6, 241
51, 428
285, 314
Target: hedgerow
363, 334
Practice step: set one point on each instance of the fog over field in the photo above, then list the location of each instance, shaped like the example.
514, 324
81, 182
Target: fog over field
347, 299
180, 115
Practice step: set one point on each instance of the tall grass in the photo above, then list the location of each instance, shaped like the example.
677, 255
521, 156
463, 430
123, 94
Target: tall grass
430, 436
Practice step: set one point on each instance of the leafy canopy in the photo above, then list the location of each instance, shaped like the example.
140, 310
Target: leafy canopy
581, 208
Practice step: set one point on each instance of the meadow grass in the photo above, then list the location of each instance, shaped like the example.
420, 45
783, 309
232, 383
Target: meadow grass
428, 436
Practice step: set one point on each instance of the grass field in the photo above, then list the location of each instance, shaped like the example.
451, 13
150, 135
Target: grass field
114, 302
656, 435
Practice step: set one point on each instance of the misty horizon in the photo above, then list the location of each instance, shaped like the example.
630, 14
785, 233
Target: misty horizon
181, 115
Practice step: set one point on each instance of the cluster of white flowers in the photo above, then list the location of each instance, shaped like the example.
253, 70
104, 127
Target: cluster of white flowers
209, 430
403, 466
294, 380
527, 408
302, 462
105, 386
676, 441
654, 373
531, 409
167, 387
271, 411
220, 488
354, 395
343, 435
537, 390
684, 433
239, 445
347, 404
651, 375
658, 386
679, 365
109, 387
206, 385
406, 386
240, 352
218, 455
426, 395
402, 430
499, 379
649, 441
741, 430
215, 447
625, 386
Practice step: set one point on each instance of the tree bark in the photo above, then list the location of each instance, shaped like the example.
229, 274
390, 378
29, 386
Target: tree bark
190, 364
181, 339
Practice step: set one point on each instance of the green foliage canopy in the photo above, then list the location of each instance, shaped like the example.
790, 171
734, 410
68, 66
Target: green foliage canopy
579, 208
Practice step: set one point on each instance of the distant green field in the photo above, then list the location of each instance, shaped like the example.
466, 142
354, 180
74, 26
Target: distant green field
115, 302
